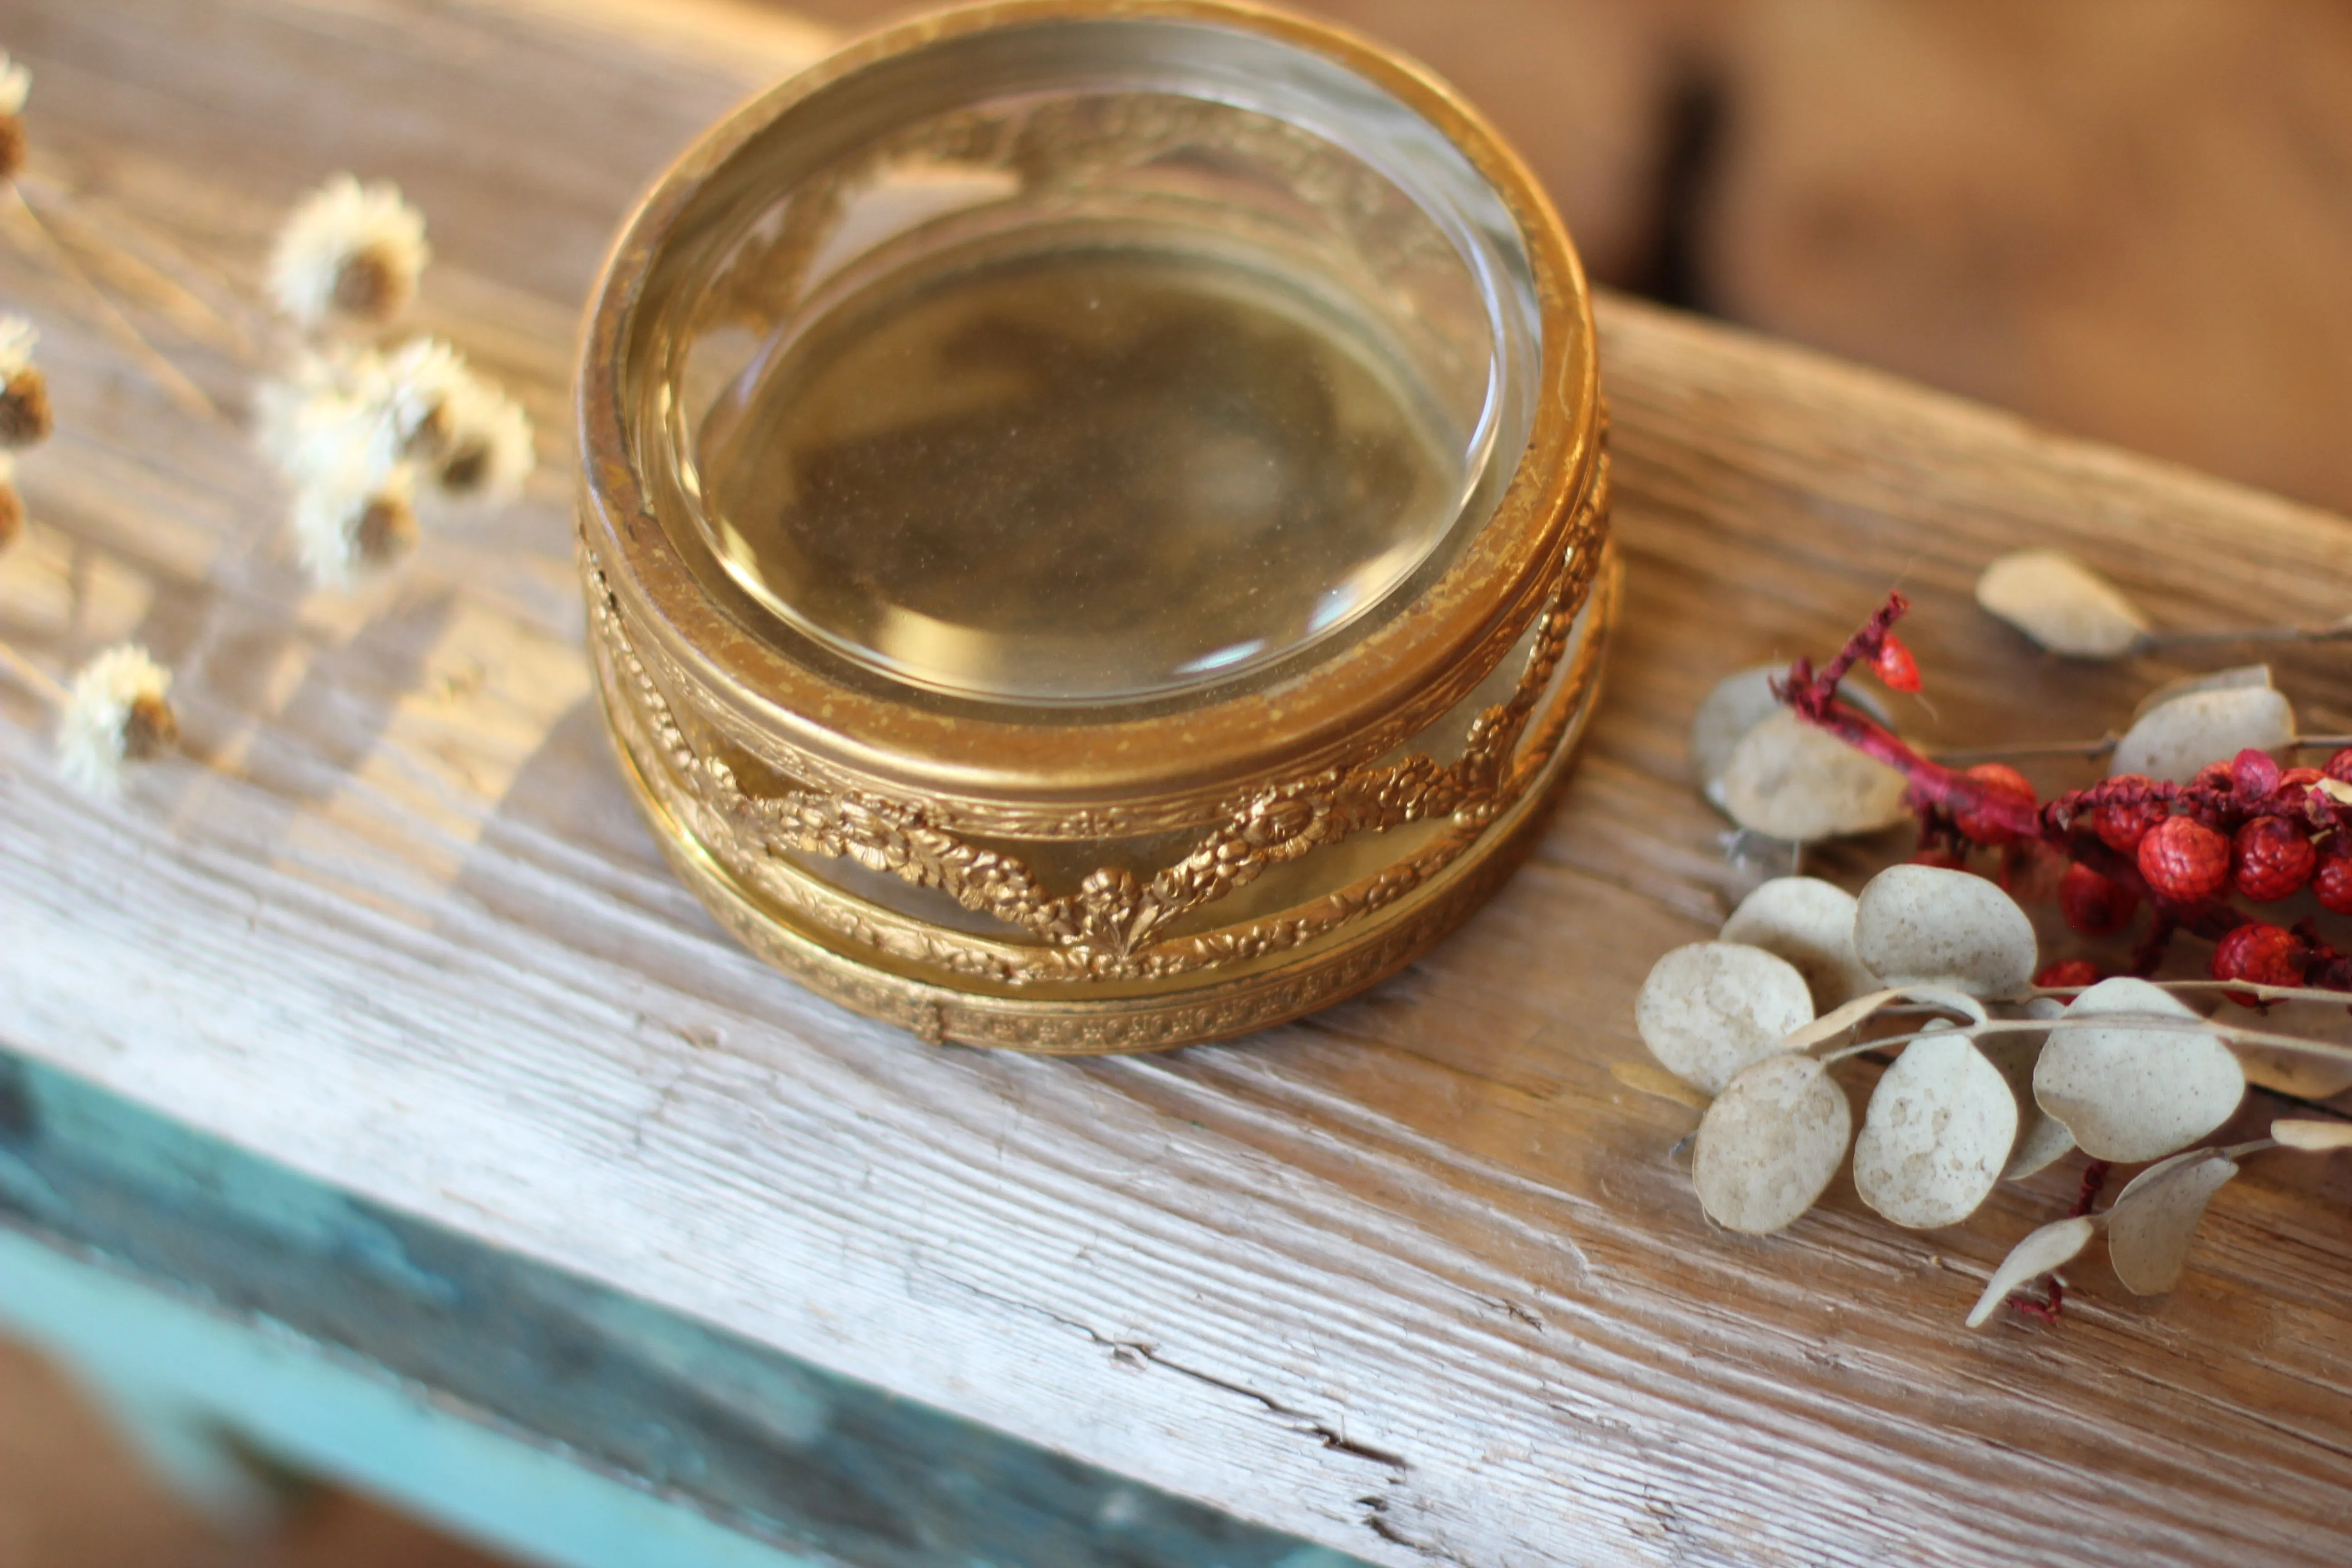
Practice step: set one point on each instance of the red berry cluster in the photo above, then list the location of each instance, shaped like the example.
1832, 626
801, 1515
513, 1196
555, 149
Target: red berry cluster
2246, 828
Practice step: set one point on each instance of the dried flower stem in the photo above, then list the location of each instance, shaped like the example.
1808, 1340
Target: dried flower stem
2093, 751
2231, 1034
175, 384
139, 275
33, 676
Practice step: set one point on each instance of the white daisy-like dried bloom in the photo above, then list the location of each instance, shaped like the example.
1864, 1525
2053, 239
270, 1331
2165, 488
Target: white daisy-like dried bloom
12, 504
349, 250
115, 714
16, 86
352, 416
487, 452
18, 338
26, 417
348, 525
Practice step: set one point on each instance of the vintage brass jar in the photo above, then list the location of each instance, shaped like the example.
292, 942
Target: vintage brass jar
1095, 519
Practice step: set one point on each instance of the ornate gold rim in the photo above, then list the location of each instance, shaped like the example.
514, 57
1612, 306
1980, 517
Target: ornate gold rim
1192, 767
1380, 935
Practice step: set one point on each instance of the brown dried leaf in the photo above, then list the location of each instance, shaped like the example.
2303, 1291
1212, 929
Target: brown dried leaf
2154, 1218
1650, 1079
2051, 1248
1939, 1128
1810, 922
1788, 780
1769, 1145
1925, 925
2139, 1088
2173, 741
2062, 603
1840, 1020
1709, 1009
2311, 1136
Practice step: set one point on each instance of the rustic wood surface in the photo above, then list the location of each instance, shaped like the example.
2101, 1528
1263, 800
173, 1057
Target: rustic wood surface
1416, 1277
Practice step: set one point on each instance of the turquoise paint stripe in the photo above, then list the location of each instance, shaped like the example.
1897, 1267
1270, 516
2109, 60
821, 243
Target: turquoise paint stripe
293, 1403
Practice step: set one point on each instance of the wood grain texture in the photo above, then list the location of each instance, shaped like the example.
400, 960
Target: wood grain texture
1416, 1277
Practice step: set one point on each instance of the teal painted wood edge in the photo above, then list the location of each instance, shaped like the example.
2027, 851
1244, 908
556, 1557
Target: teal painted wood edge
286, 1399
403, 1357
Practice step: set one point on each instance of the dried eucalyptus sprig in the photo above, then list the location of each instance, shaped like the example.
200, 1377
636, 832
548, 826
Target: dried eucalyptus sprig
2016, 1061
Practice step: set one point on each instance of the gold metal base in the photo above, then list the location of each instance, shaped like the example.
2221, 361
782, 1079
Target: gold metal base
1178, 1009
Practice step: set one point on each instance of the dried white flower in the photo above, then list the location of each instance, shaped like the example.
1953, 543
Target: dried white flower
486, 452
25, 415
12, 505
348, 524
18, 338
349, 250
351, 416
16, 84
115, 714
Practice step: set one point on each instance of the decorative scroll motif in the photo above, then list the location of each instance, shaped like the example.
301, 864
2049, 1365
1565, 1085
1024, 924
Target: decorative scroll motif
1114, 926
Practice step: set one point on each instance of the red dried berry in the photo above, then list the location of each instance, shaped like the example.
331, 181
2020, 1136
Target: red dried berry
2215, 777
2300, 778
2339, 766
2121, 826
2253, 773
1893, 664
1986, 824
2331, 884
2184, 860
2068, 975
2270, 857
2265, 954
2095, 905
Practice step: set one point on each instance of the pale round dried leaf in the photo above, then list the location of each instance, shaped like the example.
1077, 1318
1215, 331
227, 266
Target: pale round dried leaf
1939, 1129
2173, 742
2062, 603
1787, 779
1810, 922
2312, 1137
1769, 1145
1738, 704
2042, 1138
1925, 925
2136, 1088
2299, 1073
2231, 680
2052, 1246
2154, 1218
1709, 1009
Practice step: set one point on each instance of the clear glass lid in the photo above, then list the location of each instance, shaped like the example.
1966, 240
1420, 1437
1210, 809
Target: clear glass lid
1095, 361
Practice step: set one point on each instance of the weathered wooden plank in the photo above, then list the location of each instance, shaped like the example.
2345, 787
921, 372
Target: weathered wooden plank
1415, 1278
554, 1418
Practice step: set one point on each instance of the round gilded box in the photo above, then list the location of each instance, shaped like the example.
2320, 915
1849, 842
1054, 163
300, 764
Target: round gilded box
1095, 519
